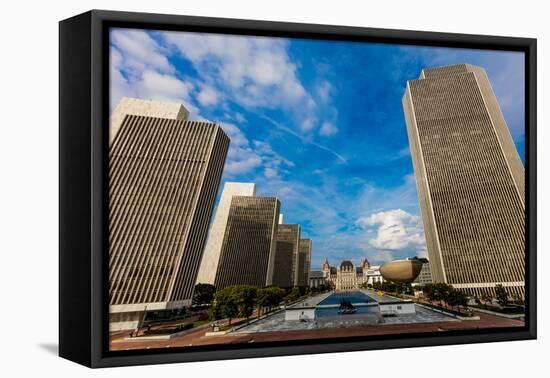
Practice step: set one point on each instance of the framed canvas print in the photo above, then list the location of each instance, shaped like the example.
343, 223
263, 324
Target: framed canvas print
234, 188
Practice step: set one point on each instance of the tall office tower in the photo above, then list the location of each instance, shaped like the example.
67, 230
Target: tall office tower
304, 262
248, 248
470, 180
137, 106
286, 255
163, 180
212, 252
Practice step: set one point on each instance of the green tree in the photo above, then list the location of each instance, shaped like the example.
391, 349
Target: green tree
277, 295
516, 299
502, 295
486, 298
225, 305
244, 298
442, 291
269, 297
293, 295
456, 298
203, 294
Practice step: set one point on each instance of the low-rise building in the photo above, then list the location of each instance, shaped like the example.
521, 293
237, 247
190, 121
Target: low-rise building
317, 278
425, 276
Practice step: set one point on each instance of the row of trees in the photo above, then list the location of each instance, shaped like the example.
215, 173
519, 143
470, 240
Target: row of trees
442, 292
240, 301
328, 286
204, 294
502, 297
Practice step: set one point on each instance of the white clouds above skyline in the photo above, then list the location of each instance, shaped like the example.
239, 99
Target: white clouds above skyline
256, 72
395, 230
245, 155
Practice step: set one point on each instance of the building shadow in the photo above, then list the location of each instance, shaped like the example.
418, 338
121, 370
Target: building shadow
51, 348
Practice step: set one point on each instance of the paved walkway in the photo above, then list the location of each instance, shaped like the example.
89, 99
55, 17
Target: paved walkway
275, 328
198, 338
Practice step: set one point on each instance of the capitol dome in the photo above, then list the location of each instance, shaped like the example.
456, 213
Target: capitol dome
346, 265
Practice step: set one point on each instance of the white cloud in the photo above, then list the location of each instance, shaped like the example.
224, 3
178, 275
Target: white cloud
235, 134
324, 90
396, 230
270, 172
163, 87
275, 164
241, 158
381, 256
244, 156
308, 124
239, 118
257, 72
140, 68
140, 51
208, 96
328, 129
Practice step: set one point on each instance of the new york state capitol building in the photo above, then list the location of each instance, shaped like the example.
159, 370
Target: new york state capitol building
347, 276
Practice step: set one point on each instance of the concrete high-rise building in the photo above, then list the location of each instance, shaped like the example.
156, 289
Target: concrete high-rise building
149, 108
425, 276
286, 256
470, 180
248, 249
212, 252
163, 180
304, 262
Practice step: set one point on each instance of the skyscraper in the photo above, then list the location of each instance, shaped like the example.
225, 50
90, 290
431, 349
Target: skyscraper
212, 252
248, 248
470, 180
286, 255
163, 180
149, 108
304, 262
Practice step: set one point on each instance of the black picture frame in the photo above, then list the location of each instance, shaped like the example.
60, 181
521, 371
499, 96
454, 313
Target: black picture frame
83, 205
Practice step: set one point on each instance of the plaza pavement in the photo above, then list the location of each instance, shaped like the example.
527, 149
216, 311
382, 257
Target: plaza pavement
198, 337
274, 328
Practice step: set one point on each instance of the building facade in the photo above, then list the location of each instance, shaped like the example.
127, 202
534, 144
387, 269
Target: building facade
347, 276
163, 180
286, 271
374, 275
248, 249
425, 276
304, 262
148, 108
470, 180
212, 252
317, 278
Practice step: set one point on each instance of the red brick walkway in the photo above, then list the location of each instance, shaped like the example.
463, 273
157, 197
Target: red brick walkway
198, 338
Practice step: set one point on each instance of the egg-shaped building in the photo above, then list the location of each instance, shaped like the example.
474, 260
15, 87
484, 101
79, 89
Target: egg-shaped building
404, 271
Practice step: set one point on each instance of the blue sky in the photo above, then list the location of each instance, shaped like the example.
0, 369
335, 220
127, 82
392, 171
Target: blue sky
318, 124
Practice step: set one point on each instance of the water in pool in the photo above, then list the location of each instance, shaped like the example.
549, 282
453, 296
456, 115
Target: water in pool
359, 300
355, 297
